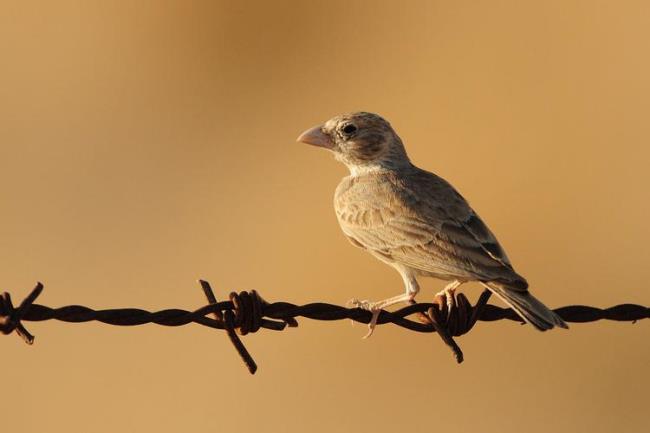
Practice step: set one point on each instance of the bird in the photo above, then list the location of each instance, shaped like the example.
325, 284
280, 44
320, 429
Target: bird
415, 221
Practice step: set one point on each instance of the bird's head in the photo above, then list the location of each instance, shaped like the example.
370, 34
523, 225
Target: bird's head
362, 141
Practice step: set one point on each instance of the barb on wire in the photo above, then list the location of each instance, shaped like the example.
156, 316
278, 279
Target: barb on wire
247, 312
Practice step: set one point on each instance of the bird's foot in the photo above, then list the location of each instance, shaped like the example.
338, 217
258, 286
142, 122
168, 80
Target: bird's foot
448, 293
373, 307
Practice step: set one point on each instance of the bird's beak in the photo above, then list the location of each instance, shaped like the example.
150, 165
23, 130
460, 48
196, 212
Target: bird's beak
316, 137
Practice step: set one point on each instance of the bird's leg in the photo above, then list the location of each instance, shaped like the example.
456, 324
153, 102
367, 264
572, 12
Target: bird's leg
448, 293
375, 308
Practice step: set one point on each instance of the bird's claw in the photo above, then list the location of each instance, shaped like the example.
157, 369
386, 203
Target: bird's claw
450, 300
368, 306
355, 303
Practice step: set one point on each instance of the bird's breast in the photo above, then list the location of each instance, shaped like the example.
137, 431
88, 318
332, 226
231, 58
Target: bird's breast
363, 201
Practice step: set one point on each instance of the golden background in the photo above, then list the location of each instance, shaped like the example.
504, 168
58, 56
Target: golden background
145, 145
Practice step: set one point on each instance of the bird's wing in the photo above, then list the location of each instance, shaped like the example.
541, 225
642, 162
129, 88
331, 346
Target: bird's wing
421, 221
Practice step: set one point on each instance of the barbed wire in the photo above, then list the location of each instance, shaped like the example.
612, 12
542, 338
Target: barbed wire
246, 312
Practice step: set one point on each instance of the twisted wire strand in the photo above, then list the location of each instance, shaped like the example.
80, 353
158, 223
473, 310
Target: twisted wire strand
247, 312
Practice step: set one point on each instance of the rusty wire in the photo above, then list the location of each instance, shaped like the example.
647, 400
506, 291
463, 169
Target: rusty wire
246, 312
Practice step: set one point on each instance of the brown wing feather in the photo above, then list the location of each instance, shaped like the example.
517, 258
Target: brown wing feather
420, 220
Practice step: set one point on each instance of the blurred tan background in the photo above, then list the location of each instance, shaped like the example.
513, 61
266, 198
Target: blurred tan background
144, 145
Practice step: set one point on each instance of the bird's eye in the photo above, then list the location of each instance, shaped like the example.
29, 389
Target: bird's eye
350, 129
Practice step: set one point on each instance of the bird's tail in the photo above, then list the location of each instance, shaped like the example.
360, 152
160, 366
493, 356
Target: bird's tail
527, 306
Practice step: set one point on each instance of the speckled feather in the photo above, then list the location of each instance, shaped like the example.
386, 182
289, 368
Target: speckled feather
419, 220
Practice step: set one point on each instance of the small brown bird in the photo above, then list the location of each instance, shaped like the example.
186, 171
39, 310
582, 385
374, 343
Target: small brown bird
414, 220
